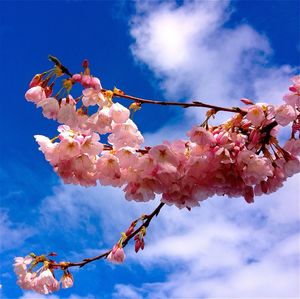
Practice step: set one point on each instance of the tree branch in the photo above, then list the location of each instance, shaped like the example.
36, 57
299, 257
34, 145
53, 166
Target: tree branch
149, 217
183, 105
195, 103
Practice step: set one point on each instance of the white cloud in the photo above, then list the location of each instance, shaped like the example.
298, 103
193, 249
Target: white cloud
226, 249
195, 56
17, 232
33, 295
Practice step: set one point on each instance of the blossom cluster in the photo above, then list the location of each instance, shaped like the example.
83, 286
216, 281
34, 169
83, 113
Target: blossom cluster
98, 141
241, 157
41, 281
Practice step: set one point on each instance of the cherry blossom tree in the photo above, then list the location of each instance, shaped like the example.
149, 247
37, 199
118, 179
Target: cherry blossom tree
98, 141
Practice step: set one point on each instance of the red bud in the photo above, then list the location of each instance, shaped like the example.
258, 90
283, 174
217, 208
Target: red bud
246, 101
85, 64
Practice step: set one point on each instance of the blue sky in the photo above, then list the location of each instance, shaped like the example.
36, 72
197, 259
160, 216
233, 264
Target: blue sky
219, 51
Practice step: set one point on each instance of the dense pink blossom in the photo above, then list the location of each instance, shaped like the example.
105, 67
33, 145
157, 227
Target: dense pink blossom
241, 157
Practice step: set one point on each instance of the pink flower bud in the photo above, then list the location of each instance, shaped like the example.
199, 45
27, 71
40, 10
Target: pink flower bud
116, 255
249, 194
77, 77
246, 101
35, 80
35, 94
264, 186
67, 280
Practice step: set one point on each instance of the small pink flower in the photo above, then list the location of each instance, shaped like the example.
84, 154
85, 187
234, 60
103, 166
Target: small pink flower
50, 107
116, 255
101, 121
20, 265
285, 114
67, 114
293, 146
35, 94
92, 97
255, 115
91, 145
201, 136
67, 280
119, 113
25, 281
45, 283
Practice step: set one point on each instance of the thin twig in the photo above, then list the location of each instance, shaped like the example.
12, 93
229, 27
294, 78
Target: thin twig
85, 261
195, 103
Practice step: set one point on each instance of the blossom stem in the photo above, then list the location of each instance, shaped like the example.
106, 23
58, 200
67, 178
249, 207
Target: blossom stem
181, 104
148, 218
195, 103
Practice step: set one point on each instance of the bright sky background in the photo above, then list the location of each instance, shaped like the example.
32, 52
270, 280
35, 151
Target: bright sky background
214, 51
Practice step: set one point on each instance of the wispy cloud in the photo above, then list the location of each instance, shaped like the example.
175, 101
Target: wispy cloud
224, 249
31, 295
197, 55
12, 235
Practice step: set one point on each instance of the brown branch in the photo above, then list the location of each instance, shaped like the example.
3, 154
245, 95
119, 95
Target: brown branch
65, 70
180, 104
57, 62
149, 217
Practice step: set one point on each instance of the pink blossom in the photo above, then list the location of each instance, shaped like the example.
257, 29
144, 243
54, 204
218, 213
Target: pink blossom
108, 170
69, 147
163, 154
127, 157
292, 99
296, 80
67, 280
35, 94
254, 169
292, 166
119, 113
201, 136
125, 134
101, 121
20, 265
50, 107
90, 145
116, 255
48, 148
67, 114
285, 114
293, 146
255, 115
45, 283
26, 281
92, 97
141, 190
